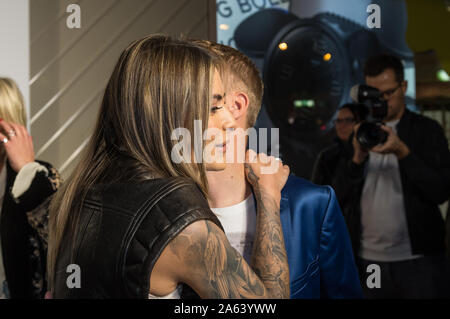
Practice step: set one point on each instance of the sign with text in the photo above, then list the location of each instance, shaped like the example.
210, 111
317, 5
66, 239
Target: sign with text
230, 13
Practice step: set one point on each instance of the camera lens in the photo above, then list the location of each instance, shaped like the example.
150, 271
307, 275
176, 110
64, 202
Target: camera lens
370, 134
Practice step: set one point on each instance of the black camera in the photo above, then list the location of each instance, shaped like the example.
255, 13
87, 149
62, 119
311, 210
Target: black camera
369, 133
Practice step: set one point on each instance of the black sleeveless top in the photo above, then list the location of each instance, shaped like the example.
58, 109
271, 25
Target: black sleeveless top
122, 230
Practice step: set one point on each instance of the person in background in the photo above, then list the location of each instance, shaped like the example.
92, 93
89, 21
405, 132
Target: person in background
447, 237
341, 150
321, 264
25, 185
395, 189
331, 162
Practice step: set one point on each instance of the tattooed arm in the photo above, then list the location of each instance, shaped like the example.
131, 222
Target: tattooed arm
269, 258
202, 257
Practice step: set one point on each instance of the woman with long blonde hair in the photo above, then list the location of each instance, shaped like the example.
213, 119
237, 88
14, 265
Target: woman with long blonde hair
25, 184
133, 221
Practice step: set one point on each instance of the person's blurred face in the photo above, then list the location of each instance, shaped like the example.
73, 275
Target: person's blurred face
393, 92
220, 121
344, 124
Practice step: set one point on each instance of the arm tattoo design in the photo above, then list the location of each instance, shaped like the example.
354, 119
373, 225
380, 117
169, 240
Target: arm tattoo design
219, 270
269, 259
253, 178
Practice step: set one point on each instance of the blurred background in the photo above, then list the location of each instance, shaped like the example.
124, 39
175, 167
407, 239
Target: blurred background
62, 71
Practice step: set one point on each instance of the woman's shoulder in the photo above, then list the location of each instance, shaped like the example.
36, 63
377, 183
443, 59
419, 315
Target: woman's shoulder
185, 192
182, 198
174, 194
180, 202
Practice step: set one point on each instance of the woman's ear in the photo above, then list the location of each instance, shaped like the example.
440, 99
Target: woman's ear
239, 105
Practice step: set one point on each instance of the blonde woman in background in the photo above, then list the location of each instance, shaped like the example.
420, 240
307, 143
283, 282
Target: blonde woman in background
25, 184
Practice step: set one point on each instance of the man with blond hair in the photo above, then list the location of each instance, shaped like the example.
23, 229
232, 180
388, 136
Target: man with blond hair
321, 262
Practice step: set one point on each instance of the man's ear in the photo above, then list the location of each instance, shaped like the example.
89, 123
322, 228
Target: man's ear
239, 105
404, 86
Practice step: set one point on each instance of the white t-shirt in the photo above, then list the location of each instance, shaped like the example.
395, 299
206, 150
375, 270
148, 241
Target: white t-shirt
385, 234
239, 223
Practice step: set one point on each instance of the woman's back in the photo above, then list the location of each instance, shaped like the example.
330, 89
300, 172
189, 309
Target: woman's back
123, 228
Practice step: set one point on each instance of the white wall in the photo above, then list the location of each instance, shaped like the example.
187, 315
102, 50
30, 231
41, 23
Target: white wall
15, 45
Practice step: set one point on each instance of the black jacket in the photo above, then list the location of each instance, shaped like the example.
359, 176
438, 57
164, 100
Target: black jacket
447, 236
330, 169
23, 233
425, 176
328, 161
123, 229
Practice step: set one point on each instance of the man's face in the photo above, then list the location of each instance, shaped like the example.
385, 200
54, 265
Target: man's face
220, 121
393, 92
237, 137
233, 103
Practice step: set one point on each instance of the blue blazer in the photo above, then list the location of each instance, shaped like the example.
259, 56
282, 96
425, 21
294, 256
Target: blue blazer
321, 262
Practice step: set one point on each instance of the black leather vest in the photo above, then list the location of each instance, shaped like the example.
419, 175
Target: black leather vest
123, 229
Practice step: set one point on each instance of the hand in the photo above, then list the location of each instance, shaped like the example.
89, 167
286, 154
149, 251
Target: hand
256, 168
393, 145
18, 145
359, 154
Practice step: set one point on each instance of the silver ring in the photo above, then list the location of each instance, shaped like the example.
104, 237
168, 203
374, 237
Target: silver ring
5, 140
12, 133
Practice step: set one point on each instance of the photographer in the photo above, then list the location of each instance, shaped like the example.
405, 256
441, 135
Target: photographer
393, 191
